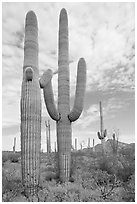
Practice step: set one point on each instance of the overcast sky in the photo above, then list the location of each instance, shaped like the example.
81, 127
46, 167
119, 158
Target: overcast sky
102, 33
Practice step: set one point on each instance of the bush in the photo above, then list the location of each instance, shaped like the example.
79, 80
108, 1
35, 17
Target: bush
14, 157
10, 156
68, 192
129, 189
5, 157
11, 186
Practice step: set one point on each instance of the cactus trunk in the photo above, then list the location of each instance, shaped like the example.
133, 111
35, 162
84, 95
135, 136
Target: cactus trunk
103, 133
14, 146
101, 119
30, 111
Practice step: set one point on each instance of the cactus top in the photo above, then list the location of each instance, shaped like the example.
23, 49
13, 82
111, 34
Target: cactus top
31, 19
63, 17
31, 43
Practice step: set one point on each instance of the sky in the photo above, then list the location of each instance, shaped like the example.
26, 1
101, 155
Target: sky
102, 33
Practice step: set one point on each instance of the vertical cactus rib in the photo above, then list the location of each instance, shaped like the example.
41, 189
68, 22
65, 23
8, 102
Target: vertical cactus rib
30, 110
80, 91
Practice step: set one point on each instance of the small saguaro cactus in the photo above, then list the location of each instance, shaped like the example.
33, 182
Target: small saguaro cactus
48, 136
76, 144
88, 142
14, 146
114, 143
30, 110
93, 145
55, 147
63, 116
103, 133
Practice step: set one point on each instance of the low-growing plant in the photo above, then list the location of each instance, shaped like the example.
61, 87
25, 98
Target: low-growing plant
105, 182
128, 193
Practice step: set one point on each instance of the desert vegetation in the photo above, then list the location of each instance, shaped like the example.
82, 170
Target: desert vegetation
94, 178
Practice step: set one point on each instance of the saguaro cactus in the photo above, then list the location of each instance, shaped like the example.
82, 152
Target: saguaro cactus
30, 110
63, 116
103, 133
88, 142
76, 144
14, 146
48, 136
93, 145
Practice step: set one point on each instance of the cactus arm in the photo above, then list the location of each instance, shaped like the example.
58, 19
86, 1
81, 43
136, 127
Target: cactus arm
80, 91
45, 83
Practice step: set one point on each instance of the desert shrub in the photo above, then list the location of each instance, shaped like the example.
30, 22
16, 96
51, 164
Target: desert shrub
106, 183
126, 170
68, 192
105, 164
50, 175
4, 158
14, 157
11, 186
10, 156
128, 193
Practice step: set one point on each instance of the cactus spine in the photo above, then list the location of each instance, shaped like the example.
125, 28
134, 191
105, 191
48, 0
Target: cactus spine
48, 136
63, 116
30, 110
103, 133
14, 146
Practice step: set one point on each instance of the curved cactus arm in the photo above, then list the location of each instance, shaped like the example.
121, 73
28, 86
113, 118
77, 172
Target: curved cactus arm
99, 135
45, 83
80, 91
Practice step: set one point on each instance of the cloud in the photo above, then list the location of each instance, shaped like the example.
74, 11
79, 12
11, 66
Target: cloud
103, 33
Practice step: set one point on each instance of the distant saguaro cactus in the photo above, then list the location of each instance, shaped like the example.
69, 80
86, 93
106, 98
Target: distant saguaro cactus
55, 147
93, 145
14, 146
76, 144
30, 110
88, 142
103, 133
48, 136
63, 116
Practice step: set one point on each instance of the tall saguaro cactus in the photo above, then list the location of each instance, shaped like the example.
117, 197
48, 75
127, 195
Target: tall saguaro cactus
103, 133
30, 110
63, 116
